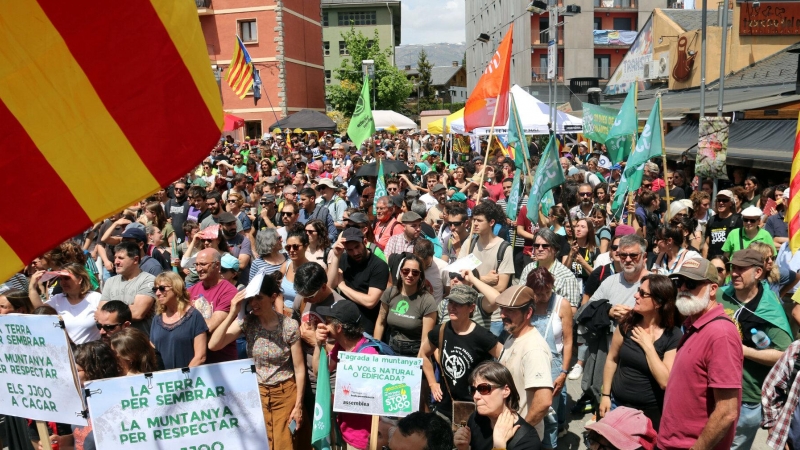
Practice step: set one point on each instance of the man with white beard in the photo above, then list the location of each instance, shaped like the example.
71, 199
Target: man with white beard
701, 403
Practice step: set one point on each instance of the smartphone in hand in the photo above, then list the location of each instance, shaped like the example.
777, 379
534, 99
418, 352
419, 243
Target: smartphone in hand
292, 426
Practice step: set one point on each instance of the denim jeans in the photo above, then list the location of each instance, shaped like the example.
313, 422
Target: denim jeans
747, 426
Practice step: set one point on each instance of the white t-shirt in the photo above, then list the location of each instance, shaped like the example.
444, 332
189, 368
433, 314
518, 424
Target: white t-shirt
434, 274
78, 319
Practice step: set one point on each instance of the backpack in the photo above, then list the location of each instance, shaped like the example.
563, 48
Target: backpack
501, 249
381, 347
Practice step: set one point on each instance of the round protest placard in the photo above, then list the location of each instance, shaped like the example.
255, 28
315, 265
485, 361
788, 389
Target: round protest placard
377, 385
38, 381
211, 407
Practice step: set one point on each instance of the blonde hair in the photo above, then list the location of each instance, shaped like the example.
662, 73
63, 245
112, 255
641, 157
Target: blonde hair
774, 275
237, 197
79, 272
178, 287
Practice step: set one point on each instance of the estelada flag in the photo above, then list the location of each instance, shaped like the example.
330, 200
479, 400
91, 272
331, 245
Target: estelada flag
793, 209
100, 107
492, 89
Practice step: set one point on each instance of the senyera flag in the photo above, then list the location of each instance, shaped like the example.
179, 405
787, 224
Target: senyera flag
793, 211
491, 92
99, 107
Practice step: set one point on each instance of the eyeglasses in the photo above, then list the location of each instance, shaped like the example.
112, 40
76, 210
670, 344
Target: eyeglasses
614, 247
683, 281
292, 247
720, 269
625, 256
231, 201
749, 220
455, 224
311, 231
161, 288
585, 194
206, 240
540, 246
180, 189
643, 294
483, 388
407, 272
287, 214
648, 186
106, 328
722, 200
455, 275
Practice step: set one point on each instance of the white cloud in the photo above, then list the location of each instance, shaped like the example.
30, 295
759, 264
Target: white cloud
432, 21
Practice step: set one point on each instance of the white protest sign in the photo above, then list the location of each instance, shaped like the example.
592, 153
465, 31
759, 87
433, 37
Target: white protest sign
468, 263
38, 381
211, 407
377, 385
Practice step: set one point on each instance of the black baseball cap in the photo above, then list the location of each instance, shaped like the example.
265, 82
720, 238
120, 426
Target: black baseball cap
345, 311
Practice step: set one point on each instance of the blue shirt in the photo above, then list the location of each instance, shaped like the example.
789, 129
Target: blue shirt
175, 341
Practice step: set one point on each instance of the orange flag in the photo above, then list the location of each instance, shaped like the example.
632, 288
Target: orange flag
491, 92
793, 208
100, 107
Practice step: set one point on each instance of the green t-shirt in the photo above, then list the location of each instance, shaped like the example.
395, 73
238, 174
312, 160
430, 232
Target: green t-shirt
753, 373
733, 244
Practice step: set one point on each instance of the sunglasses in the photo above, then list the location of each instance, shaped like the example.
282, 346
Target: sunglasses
311, 231
287, 214
545, 246
614, 247
483, 388
720, 269
407, 272
643, 294
632, 256
454, 275
585, 194
207, 240
720, 200
455, 224
160, 288
746, 220
683, 281
107, 328
292, 247
231, 201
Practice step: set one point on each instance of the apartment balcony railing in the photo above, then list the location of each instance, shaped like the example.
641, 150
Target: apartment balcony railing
540, 75
604, 72
204, 7
614, 4
614, 38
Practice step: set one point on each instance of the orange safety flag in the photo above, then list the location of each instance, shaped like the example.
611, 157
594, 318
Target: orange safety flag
100, 106
491, 92
793, 209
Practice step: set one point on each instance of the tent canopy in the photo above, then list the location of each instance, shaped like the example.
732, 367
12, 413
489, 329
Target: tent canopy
389, 119
534, 115
442, 126
306, 120
232, 122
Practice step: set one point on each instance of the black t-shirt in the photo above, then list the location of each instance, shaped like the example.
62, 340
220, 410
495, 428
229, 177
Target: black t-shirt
360, 277
564, 248
461, 354
202, 216
588, 256
481, 430
597, 276
747, 320
178, 211
717, 230
633, 384
675, 193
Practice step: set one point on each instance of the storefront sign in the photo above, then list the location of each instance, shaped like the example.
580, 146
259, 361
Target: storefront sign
770, 19
377, 385
38, 381
211, 407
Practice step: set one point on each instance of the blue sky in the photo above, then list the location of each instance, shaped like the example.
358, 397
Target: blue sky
432, 21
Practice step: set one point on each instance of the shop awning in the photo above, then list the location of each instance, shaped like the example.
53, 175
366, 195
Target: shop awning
760, 144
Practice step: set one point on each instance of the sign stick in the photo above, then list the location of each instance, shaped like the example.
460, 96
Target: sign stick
663, 154
373, 433
44, 434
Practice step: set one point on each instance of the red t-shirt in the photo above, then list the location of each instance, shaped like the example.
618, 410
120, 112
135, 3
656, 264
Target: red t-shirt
709, 356
354, 427
495, 191
524, 222
219, 298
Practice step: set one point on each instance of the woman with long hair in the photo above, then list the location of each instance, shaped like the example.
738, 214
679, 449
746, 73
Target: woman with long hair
771, 275
495, 423
408, 310
178, 331
584, 250
15, 302
273, 341
77, 303
135, 354
642, 351
671, 254
602, 232
265, 168
319, 243
235, 203
208, 175
701, 205
722, 264
458, 179
296, 246
252, 168
752, 192
156, 241
601, 195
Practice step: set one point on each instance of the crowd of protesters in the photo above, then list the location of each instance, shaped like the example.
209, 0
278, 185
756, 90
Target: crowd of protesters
677, 312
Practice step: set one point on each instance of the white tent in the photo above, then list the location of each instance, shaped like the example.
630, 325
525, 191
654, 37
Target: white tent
389, 119
534, 115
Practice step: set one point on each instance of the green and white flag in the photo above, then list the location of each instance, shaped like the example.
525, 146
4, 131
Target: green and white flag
513, 199
380, 186
548, 175
516, 137
320, 435
618, 142
362, 125
597, 121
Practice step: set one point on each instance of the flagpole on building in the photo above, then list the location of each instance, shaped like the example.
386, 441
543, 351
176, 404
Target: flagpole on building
663, 151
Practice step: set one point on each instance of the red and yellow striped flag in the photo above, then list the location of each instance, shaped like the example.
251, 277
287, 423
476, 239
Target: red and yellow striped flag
240, 72
793, 209
100, 107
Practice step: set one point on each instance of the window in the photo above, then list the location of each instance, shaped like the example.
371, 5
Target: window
542, 68
326, 48
598, 23
248, 31
622, 23
343, 49
544, 25
327, 77
602, 64
325, 18
252, 128
345, 19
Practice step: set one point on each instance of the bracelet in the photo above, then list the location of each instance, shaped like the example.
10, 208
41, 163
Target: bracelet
565, 371
606, 395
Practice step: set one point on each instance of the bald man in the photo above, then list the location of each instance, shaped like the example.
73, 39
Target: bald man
212, 297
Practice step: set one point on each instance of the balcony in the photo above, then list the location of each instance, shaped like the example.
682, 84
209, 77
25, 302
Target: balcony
604, 72
540, 75
614, 38
204, 7
610, 5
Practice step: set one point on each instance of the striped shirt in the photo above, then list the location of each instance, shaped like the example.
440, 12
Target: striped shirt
566, 284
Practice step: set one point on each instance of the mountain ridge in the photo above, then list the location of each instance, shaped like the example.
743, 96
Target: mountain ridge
442, 54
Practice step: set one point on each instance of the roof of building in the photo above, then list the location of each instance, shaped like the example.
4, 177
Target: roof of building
441, 75
360, 2
778, 68
692, 19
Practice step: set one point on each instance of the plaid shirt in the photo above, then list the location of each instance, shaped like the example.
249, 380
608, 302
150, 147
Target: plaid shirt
398, 244
566, 284
777, 414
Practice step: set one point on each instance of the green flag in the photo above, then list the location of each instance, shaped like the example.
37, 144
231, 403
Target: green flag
597, 121
380, 186
618, 204
512, 205
362, 125
516, 137
548, 175
321, 432
625, 125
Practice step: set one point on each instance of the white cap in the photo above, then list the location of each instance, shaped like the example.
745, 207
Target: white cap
786, 193
752, 211
603, 162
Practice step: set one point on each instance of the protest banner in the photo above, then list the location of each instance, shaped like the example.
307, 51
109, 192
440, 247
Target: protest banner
39, 381
377, 385
597, 121
210, 407
712, 148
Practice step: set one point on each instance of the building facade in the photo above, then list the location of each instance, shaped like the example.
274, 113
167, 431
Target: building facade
338, 16
284, 40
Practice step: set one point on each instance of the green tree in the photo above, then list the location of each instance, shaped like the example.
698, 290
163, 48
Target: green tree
424, 78
389, 84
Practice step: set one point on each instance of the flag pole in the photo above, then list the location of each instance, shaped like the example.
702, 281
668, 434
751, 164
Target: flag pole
663, 151
488, 149
631, 194
373, 434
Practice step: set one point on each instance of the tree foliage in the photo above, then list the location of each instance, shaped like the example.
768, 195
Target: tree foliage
424, 68
390, 84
